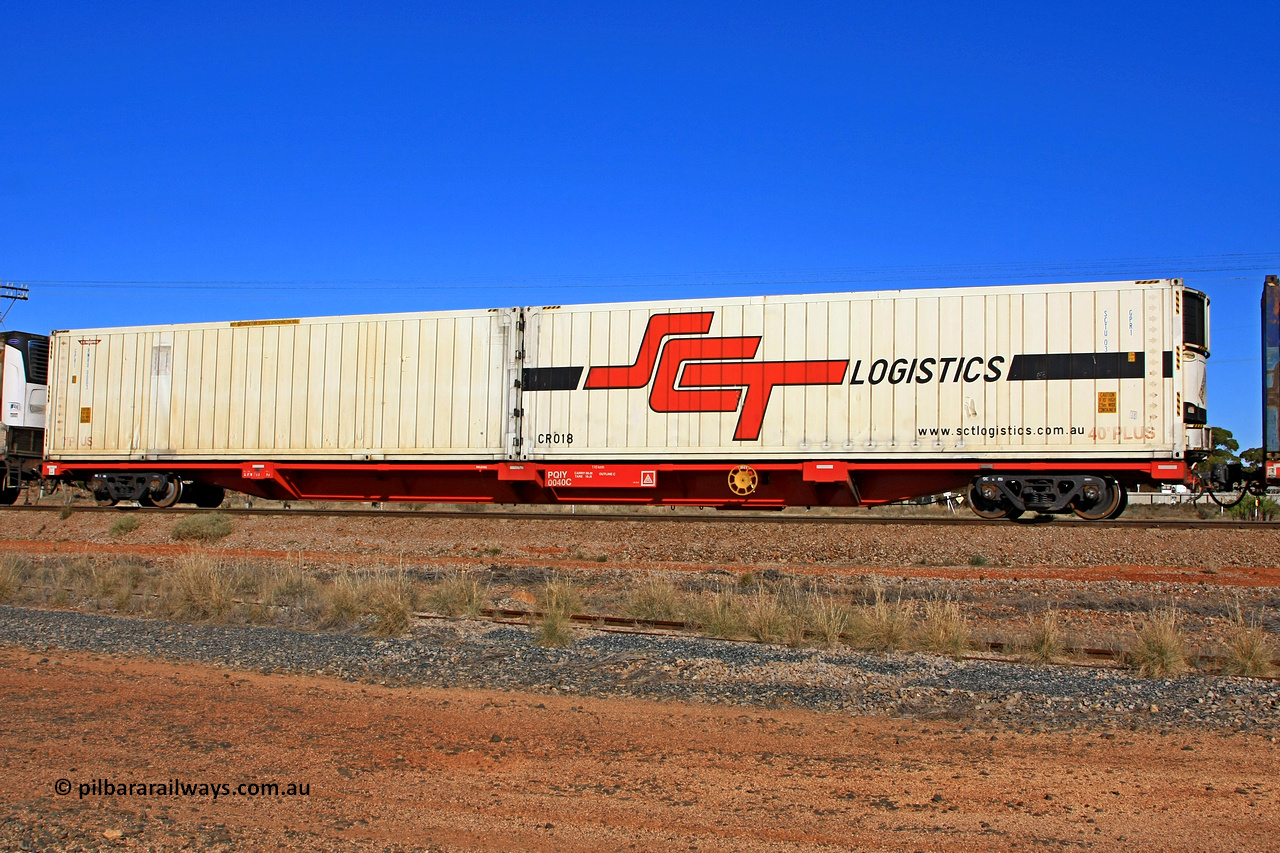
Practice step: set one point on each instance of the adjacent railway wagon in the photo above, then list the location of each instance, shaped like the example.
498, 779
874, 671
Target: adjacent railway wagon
1050, 398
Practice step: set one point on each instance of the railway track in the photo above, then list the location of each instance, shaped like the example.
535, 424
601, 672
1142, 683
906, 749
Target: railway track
1111, 658
674, 517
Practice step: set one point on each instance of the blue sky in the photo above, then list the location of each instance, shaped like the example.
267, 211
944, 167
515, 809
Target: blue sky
181, 162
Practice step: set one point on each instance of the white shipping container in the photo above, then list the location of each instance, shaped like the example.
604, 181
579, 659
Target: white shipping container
338, 388
1037, 372
1034, 372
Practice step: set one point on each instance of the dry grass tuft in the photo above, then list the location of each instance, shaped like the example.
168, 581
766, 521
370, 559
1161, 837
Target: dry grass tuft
125, 525
655, 597
944, 629
719, 614
1045, 644
559, 595
343, 607
388, 599
13, 573
828, 621
554, 629
458, 594
203, 588
202, 528
883, 625
767, 621
289, 596
1160, 648
558, 600
1248, 652
118, 582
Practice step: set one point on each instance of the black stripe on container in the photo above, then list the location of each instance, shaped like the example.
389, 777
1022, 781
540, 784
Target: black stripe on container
1078, 365
1168, 364
550, 378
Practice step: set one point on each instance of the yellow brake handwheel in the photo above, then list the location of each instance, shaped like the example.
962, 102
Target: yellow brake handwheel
743, 480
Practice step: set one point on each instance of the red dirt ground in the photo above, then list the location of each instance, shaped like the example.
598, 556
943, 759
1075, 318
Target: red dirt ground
477, 770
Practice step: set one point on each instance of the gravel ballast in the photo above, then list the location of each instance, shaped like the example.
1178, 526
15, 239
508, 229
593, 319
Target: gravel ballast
685, 669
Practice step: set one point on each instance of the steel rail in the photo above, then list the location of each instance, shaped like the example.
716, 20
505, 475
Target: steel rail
993, 651
727, 517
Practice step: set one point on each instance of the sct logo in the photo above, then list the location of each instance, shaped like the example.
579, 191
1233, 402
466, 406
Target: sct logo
699, 374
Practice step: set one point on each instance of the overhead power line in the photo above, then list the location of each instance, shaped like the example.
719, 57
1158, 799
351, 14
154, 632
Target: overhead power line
1120, 268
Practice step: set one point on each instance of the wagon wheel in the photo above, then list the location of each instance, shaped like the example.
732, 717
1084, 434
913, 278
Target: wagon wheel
170, 496
1108, 504
984, 508
1124, 503
743, 480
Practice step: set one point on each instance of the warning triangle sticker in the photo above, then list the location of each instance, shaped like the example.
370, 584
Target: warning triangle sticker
648, 478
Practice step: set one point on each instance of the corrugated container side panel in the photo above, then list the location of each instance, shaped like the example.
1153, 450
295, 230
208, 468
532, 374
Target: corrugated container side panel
428, 365
881, 331
928, 344
238, 404
906, 344
114, 374
375, 394
228, 357
136, 366
741, 321
972, 342
407, 377
101, 375
444, 382
284, 388
181, 430
209, 387
339, 398
568, 346
116, 366
340, 428
950, 348
1106, 340
138, 391
157, 419
1085, 331
996, 393
268, 375
459, 399
368, 435
55, 437
1034, 338
821, 345
304, 383
484, 382
790, 399
599, 324
610, 344
255, 364
392, 374
836, 428
1129, 399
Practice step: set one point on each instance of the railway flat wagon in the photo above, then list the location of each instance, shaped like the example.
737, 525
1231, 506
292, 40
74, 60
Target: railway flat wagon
1049, 397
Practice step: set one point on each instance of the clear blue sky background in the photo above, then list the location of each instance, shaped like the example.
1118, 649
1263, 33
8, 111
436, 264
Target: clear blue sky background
177, 162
